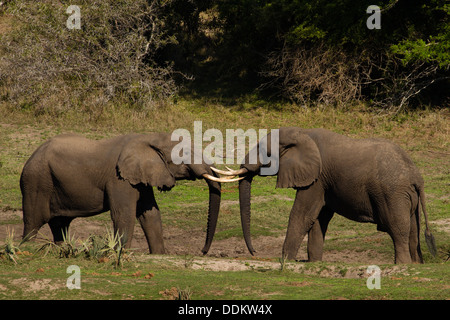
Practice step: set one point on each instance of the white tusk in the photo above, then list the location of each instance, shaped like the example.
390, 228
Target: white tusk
230, 172
237, 172
230, 179
225, 173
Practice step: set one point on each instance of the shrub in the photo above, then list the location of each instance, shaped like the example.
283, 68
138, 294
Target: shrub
50, 68
10, 249
103, 248
320, 74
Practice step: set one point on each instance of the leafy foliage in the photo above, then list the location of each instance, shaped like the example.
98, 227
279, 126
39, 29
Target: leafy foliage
413, 33
139, 52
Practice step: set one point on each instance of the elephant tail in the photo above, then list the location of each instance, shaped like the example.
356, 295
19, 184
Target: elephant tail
429, 238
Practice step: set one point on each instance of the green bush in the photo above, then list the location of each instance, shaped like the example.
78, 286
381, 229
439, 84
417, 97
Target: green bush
323, 52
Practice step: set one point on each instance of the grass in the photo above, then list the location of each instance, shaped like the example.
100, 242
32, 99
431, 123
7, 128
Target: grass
161, 278
424, 134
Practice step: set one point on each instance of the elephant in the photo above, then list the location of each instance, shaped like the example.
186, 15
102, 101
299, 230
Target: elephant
365, 180
71, 176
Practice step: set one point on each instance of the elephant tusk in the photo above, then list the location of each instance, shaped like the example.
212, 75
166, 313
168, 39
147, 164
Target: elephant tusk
237, 172
226, 173
230, 172
228, 179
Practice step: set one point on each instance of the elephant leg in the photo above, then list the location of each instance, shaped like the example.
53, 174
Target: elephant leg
316, 236
150, 219
401, 247
398, 224
59, 227
123, 223
305, 211
151, 224
123, 201
36, 213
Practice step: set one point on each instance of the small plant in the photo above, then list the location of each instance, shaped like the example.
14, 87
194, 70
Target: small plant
93, 247
113, 248
343, 271
188, 261
69, 248
106, 248
184, 294
10, 249
48, 246
282, 261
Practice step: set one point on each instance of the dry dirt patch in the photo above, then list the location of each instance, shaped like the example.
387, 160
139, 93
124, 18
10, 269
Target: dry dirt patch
329, 271
182, 242
442, 224
36, 285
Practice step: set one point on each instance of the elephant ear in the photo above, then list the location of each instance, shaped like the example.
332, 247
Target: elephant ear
141, 162
300, 162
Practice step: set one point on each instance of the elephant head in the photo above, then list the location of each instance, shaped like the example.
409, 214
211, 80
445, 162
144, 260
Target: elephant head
144, 153
299, 166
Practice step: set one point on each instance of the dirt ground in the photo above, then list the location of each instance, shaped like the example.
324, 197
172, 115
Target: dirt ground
180, 242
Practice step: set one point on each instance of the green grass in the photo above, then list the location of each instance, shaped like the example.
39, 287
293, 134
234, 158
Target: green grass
45, 277
423, 134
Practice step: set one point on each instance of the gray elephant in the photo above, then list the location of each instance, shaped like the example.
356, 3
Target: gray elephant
365, 180
70, 176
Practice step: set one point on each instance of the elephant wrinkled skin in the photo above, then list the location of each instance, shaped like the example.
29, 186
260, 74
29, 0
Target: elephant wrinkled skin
70, 176
365, 180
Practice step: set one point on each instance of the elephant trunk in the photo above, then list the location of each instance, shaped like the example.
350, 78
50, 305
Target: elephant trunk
244, 203
213, 212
